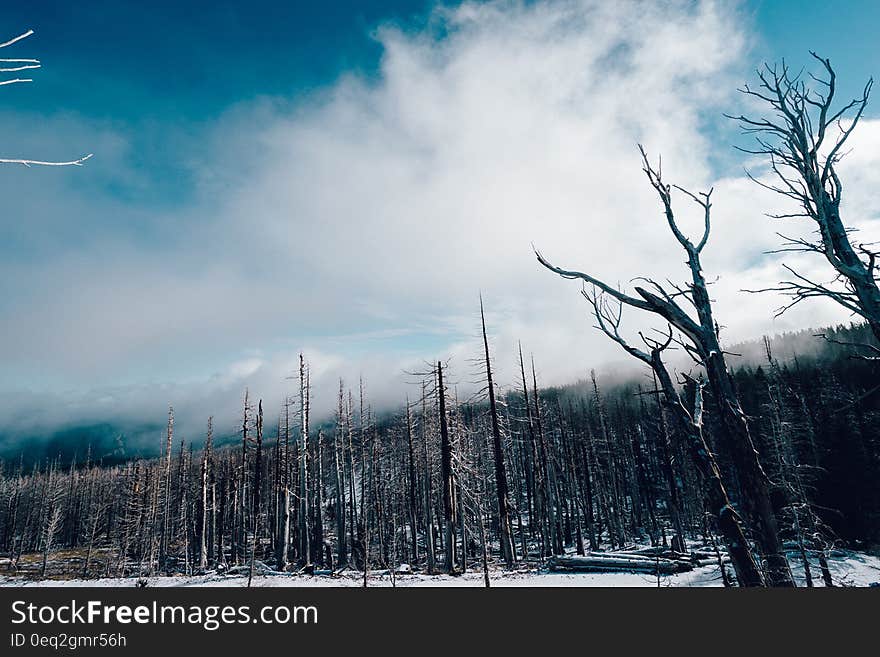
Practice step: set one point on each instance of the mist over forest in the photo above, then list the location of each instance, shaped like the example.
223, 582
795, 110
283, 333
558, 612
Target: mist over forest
571, 292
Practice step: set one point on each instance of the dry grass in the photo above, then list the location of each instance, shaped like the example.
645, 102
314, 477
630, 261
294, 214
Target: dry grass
63, 564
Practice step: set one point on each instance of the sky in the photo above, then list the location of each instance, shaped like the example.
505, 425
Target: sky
345, 179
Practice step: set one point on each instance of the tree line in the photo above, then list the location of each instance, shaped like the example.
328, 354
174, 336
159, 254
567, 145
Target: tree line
449, 485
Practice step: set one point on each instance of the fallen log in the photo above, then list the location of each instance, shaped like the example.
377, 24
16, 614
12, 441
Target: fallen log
707, 553
697, 556
669, 555
260, 568
652, 551
595, 563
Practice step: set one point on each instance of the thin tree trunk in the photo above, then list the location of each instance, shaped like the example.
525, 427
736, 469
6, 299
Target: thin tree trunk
498, 450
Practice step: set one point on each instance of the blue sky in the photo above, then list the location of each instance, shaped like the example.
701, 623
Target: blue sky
163, 60
154, 66
195, 248
158, 64
842, 31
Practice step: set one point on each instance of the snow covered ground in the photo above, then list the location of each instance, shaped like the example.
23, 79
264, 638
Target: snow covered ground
848, 569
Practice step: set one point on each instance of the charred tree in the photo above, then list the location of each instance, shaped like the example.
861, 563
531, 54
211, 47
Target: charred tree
804, 139
446, 476
702, 342
505, 533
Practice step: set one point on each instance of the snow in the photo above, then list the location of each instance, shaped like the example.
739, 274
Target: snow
847, 569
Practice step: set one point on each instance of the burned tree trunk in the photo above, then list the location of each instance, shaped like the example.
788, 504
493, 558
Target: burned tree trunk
283, 538
672, 479
446, 476
703, 344
203, 482
317, 512
166, 484
302, 517
240, 500
498, 451
729, 523
338, 463
255, 505
412, 505
426, 461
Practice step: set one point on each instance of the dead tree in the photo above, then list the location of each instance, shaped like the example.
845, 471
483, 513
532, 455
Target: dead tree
240, 502
607, 475
412, 498
786, 427
555, 541
52, 517
13, 66
672, 479
446, 476
302, 517
283, 539
804, 139
97, 508
701, 341
338, 467
255, 502
316, 472
498, 452
166, 491
537, 520
183, 523
690, 427
353, 522
426, 466
203, 490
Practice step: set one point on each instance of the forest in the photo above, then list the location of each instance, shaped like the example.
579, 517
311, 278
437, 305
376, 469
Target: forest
515, 479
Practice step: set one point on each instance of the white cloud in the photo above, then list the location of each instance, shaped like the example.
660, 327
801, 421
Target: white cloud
361, 225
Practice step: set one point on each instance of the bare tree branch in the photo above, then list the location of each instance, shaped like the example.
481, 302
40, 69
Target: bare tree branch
29, 64
804, 140
16, 39
75, 163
